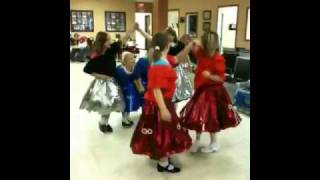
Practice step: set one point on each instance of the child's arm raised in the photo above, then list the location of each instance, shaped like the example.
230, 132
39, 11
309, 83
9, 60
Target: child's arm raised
164, 112
144, 34
182, 56
128, 35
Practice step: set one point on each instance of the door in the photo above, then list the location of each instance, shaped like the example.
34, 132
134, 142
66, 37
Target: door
144, 21
227, 26
147, 29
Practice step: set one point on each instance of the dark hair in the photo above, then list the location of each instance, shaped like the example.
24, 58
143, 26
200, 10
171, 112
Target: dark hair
159, 42
89, 43
173, 33
101, 39
210, 42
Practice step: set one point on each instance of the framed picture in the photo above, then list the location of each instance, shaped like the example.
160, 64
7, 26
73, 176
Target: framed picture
81, 21
115, 21
206, 26
207, 15
192, 24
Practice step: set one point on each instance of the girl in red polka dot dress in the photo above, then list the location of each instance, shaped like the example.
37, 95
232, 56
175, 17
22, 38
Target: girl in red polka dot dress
159, 133
210, 109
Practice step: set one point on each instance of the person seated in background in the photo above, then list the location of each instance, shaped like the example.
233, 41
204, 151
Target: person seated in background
74, 50
76, 37
81, 50
90, 44
74, 41
71, 40
82, 42
85, 52
131, 46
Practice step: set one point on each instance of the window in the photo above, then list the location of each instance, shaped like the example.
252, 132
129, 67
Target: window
192, 24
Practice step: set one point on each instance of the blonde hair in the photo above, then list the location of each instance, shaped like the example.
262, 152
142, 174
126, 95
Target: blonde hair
125, 55
210, 42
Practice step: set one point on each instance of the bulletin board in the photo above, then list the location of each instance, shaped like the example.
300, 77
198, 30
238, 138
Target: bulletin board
82, 21
115, 21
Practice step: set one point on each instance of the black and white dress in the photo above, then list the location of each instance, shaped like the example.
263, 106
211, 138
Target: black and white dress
103, 96
184, 89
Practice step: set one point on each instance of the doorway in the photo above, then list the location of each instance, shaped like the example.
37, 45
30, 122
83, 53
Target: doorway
145, 22
227, 26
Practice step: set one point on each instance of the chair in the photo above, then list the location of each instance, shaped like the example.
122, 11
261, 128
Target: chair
242, 97
242, 69
230, 56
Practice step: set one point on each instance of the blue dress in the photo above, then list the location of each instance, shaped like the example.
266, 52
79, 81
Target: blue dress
141, 71
130, 93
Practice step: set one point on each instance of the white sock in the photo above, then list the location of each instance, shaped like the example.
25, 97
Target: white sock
104, 119
213, 139
164, 163
125, 117
195, 146
171, 167
198, 135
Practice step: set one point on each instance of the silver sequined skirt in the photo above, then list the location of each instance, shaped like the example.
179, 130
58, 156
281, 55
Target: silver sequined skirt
103, 96
184, 88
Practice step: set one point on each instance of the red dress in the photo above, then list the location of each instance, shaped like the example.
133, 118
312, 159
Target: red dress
215, 65
171, 59
152, 136
210, 109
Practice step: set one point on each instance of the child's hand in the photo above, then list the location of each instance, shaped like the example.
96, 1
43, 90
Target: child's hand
196, 42
136, 26
165, 115
216, 78
141, 90
206, 74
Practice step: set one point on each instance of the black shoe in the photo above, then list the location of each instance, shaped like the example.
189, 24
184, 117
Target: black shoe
127, 124
166, 169
105, 128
